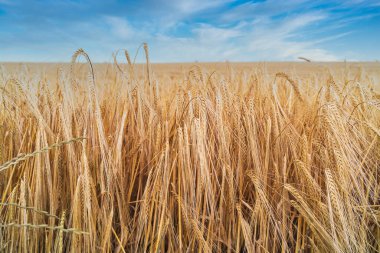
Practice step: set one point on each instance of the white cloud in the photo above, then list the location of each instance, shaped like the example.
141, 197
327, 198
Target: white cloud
171, 13
300, 21
120, 27
281, 40
259, 40
269, 8
210, 34
193, 6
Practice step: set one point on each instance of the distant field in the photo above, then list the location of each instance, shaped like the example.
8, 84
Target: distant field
176, 69
190, 157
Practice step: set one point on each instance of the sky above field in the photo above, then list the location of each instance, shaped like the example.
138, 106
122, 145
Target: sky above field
191, 30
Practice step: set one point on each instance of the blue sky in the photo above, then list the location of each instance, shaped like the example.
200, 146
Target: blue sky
191, 30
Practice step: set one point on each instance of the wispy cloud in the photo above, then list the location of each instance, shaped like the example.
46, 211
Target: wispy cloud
283, 39
121, 28
193, 6
270, 8
256, 40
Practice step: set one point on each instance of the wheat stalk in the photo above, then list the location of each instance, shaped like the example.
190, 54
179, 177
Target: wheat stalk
23, 157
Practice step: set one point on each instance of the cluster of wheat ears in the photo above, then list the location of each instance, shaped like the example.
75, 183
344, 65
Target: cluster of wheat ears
125, 161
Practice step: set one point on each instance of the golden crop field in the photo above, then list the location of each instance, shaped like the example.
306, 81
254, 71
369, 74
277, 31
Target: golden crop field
208, 157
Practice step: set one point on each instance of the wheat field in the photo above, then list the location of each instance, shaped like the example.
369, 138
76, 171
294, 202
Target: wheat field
217, 157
